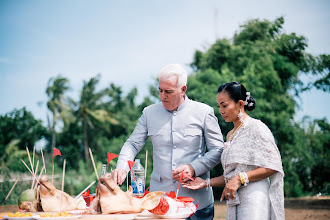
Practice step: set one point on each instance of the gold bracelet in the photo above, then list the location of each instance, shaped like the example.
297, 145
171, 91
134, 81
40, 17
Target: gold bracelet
241, 177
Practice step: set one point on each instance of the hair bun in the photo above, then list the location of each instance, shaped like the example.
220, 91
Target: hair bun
250, 103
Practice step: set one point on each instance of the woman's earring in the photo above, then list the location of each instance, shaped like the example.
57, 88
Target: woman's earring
240, 116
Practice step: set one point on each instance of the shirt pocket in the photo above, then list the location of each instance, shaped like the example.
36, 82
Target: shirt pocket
155, 132
192, 132
192, 138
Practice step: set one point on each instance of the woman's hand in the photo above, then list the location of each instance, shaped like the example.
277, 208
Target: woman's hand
230, 188
200, 183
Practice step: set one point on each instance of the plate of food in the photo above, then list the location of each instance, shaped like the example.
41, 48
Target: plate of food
112, 216
19, 216
56, 216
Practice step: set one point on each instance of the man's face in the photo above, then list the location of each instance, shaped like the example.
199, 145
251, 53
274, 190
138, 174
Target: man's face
171, 95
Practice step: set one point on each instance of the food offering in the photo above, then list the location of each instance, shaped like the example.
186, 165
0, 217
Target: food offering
170, 206
47, 198
111, 199
19, 216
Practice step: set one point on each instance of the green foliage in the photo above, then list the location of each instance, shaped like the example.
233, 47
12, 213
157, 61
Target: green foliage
261, 56
268, 63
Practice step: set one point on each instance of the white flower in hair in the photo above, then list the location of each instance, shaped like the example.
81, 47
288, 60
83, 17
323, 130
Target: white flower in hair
247, 98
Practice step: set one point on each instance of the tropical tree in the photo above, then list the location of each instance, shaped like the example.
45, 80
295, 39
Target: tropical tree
269, 63
91, 110
58, 103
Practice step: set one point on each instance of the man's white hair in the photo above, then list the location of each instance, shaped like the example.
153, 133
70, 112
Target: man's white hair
171, 72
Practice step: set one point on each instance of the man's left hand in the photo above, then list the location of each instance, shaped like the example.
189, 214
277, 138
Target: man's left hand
187, 169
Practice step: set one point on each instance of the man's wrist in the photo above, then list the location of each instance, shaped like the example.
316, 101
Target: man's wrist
191, 170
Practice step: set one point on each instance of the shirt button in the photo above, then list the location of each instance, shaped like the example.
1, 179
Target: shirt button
173, 130
174, 114
173, 164
174, 146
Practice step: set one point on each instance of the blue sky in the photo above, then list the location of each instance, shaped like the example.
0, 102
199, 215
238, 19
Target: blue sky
128, 42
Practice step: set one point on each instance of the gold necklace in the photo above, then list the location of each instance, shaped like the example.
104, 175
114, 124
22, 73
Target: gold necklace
232, 134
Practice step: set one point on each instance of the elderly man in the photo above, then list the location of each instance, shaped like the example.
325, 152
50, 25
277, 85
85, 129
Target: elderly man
180, 129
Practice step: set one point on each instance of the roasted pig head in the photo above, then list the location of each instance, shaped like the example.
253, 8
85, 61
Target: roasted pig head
53, 199
111, 199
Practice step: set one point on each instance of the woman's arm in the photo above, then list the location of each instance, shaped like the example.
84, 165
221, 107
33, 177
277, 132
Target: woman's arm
201, 183
259, 174
253, 175
218, 181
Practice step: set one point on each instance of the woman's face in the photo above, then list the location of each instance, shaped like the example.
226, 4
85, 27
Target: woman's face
227, 107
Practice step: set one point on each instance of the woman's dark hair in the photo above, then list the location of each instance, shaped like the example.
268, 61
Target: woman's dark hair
236, 91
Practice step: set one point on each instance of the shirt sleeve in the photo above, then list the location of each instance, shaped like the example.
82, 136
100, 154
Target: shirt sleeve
134, 144
214, 142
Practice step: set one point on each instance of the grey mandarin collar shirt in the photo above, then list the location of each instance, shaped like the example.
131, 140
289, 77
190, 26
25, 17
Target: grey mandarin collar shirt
190, 135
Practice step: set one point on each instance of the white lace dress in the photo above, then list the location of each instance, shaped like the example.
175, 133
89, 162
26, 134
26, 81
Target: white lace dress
253, 146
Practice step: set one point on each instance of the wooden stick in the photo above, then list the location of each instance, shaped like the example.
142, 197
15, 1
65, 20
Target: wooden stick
10, 191
27, 167
38, 178
63, 175
33, 156
43, 160
35, 174
127, 181
146, 166
30, 160
53, 174
91, 154
79, 195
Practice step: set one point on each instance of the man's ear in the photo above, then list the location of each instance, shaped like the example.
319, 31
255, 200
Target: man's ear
184, 89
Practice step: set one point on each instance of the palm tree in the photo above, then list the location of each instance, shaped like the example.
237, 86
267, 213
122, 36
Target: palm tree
57, 103
90, 108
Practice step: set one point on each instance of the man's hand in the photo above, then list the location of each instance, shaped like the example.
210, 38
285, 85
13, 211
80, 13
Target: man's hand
187, 169
118, 176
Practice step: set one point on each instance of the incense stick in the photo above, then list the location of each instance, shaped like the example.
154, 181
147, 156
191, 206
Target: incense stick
38, 178
79, 195
43, 160
127, 180
35, 174
146, 165
27, 167
30, 159
10, 191
33, 156
91, 154
63, 175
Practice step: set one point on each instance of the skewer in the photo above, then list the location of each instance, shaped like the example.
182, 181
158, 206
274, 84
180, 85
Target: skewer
63, 175
35, 174
30, 160
91, 154
27, 167
33, 156
10, 191
38, 179
79, 195
146, 165
127, 180
43, 160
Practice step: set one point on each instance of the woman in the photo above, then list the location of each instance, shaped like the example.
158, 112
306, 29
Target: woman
253, 173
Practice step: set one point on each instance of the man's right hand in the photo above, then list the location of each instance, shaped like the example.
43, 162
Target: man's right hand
118, 175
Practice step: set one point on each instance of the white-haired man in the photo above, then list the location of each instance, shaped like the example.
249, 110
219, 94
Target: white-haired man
180, 129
